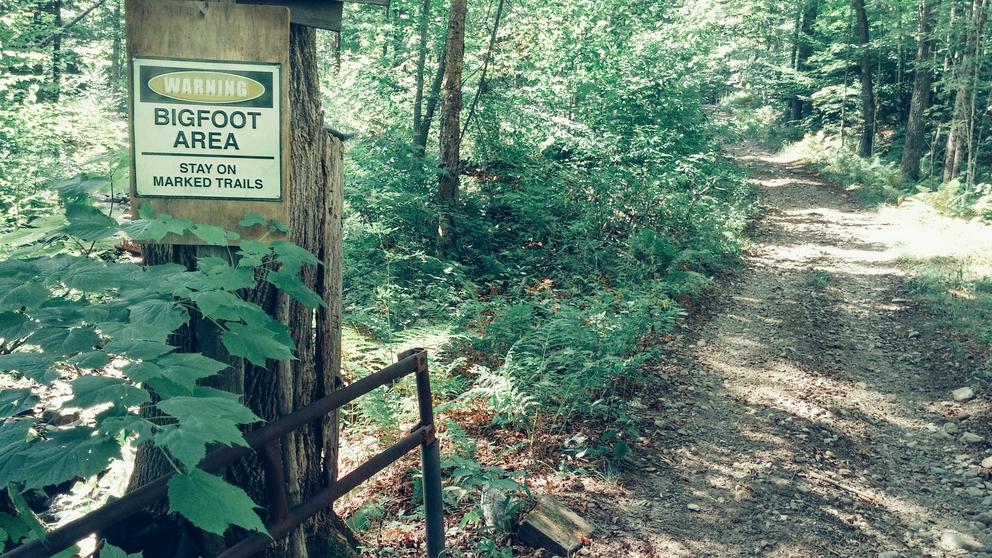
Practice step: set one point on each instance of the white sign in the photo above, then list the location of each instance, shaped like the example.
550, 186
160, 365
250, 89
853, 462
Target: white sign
207, 129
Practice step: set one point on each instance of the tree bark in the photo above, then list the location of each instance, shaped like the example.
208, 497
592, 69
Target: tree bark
803, 49
450, 163
420, 141
116, 51
961, 120
310, 454
57, 51
867, 96
418, 99
912, 152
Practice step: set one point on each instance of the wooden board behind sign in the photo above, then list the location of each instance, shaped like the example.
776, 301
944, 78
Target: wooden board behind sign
212, 31
322, 14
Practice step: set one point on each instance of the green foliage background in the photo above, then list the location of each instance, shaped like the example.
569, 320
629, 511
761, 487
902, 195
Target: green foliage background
595, 205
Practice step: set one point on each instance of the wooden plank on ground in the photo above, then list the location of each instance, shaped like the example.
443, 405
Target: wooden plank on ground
552, 526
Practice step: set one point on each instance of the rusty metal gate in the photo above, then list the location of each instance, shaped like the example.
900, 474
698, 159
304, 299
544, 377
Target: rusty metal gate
267, 441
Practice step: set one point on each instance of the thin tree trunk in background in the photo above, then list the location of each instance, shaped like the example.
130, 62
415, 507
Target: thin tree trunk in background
337, 52
418, 99
433, 98
485, 66
922, 81
57, 51
803, 50
451, 108
961, 119
867, 95
973, 112
116, 51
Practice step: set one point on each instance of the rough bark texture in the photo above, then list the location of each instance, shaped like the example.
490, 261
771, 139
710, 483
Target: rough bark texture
451, 108
418, 100
867, 96
310, 454
802, 49
922, 80
957, 138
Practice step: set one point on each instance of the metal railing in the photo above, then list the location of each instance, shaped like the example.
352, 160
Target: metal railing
267, 441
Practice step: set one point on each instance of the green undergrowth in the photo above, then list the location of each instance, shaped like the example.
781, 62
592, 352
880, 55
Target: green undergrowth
962, 295
566, 270
873, 181
877, 180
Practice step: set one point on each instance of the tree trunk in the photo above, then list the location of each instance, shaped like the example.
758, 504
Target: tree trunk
57, 51
803, 50
116, 51
448, 178
418, 99
922, 80
867, 96
961, 120
420, 140
310, 454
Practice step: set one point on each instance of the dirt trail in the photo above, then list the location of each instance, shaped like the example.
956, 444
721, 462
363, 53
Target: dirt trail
811, 414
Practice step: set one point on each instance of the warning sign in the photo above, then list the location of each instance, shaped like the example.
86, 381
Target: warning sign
207, 129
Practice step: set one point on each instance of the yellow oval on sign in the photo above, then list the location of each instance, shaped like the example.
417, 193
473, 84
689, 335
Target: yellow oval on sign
206, 87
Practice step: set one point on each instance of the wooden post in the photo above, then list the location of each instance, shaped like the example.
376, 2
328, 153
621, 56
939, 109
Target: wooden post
311, 205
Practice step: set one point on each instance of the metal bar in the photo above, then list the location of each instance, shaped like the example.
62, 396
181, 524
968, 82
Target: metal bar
257, 542
115, 511
275, 480
431, 461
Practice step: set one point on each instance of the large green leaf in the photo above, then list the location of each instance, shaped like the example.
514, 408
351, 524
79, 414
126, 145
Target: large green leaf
212, 504
187, 368
208, 407
174, 374
27, 295
202, 421
50, 339
36, 366
14, 436
90, 275
138, 349
188, 441
91, 360
89, 391
255, 344
221, 275
293, 285
88, 223
14, 325
164, 314
153, 376
210, 234
252, 253
123, 331
79, 452
15, 528
60, 312
80, 339
152, 227
224, 305
252, 219
292, 256
16, 401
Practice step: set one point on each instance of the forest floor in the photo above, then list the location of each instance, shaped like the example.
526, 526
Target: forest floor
807, 410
